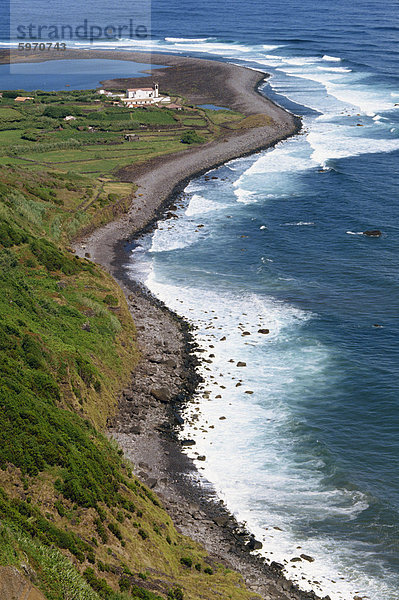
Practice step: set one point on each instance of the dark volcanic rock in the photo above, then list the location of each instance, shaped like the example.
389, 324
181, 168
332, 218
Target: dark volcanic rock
135, 430
178, 420
307, 557
188, 443
373, 233
254, 544
162, 394
276, 566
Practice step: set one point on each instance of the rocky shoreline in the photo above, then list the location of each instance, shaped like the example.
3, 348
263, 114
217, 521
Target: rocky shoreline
148, 418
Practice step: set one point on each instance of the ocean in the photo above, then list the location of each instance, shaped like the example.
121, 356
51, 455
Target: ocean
302, 443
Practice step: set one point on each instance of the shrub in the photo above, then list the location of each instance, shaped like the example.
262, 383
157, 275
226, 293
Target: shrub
208, 570
143, 534
8, 260
111, 300
99, 585
175, 593
12, 93
138, 592
113, 527
101, 531
186, 561
124, 584
191, 137
29, 136
60, 112
10, 235
52, 258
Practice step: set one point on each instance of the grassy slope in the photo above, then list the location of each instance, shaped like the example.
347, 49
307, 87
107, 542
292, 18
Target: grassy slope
71, 509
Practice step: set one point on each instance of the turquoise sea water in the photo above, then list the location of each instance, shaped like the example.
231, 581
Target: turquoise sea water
314, 449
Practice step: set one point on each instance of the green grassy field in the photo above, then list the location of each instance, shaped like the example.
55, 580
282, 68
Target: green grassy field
37, 137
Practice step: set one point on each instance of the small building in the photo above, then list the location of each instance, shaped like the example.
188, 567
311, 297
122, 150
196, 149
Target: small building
69, 118
145, 95
175, 106
109, 94
131, 137
23, 98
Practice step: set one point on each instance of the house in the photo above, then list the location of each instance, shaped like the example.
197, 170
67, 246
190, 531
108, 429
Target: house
109, 94
136, 97
23, 98
175, 106
69, 118
145, 95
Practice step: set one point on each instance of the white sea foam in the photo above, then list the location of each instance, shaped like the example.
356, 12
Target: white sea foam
333, 141
300, 223
288, 157
200, 205
175, 234
331, 58
190, 40
300, 61
335, 69
244, 196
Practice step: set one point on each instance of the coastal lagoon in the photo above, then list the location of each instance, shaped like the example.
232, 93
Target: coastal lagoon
79, 74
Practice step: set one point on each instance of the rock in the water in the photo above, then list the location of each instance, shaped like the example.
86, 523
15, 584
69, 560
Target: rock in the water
178, 419
373, 233
264, 331
161, 394
254, 544
188, 443
201, 457
296, 559
241, 364
307, 557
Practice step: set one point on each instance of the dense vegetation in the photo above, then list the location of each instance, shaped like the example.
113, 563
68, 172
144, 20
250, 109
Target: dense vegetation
71, 509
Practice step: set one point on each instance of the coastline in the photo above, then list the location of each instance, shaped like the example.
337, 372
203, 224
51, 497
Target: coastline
144, 427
